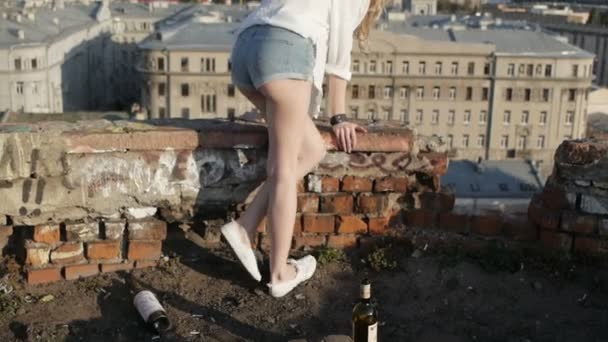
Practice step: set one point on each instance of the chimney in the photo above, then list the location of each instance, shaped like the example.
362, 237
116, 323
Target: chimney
18, 17
31, 16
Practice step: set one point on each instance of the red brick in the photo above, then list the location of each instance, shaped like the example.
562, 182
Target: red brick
420, 219
114, 230
556, 241
579, 223
47, 233
43, 275
330, 184
487, 225
68, 253
545, 218
147, 229
318, 223
520, 230
437, 201
36, 254
378, 225
145, 263
105, 268
104, 250
79, 271
590, 245
342, 241
397, 184
351, 224
80, 232
554, 197
300, 186
372, 203
455, 223
356, 184
144, 250
308, 203
300, 242
338, 204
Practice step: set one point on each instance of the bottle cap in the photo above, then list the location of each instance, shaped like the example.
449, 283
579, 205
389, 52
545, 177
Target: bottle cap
365, 289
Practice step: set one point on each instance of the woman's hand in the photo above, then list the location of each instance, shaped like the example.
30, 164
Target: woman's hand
346, 134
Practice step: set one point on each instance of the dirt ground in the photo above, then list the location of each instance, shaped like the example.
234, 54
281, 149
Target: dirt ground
447, 297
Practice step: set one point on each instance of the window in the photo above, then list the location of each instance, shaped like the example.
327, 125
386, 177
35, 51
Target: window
404, 92
483, 117
435, 117
436, 93
185, 113
371, 92
422, 68
504, 187
420, 93
452, 93
35, 89
511, 70
18, 64
571, 95
543, 118
356, 65
504, 141
438, 68
185, 89
385, 114
546, 95
454, 70
575, 70
161, 112
207, 64
230, 113
388, 92
465, 140
467, 117
481, 140
509, 94
522, 69
525, 117
469, 95
405, 67
354, 112
521, 142
403, 114
161, 89
548, 70
539, 69
19, 88
355, 92
540, 142
229, 66
419, 116
485, 94
486, 69
450, 141
569, 118
527, 94
471, 68
34, 63
372, 66
208, 103
160, 64
530, 70
506, 117
184, 64
371, 114
389, 67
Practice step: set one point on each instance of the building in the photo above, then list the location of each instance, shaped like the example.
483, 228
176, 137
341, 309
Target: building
77, 56
421, 7
491, 93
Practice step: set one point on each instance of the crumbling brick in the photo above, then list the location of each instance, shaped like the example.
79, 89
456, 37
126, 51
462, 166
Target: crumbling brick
82, 232
348, 224
104, 250
144, 250
36, 254
391, 184
114, 230
356, 184
308, 203
300, 242
68, 253
372, 203
147, 229
80, 271
318, 223
43, 275
455, 223
47, 233
342, 241
337, 203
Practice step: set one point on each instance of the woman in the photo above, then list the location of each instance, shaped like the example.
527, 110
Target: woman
282, 52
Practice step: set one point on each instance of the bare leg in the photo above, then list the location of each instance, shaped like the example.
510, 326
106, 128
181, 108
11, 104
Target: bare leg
311, 152
287, 104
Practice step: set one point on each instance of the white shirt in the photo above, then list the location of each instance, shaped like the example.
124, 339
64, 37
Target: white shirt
330, 24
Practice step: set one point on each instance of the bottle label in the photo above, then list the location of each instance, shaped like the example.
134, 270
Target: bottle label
365, 291
372, 333
146, 304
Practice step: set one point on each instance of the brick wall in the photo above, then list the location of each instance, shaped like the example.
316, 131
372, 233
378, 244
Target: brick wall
96, 196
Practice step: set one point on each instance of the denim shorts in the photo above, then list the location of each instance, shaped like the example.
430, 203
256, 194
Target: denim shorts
264, 53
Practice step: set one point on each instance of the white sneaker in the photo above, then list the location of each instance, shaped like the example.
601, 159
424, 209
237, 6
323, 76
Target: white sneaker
244, 252
305, 268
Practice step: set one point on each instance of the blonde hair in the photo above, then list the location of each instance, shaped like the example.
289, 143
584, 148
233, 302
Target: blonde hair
373, 13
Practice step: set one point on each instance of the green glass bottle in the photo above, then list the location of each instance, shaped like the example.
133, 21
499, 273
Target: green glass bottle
365, 316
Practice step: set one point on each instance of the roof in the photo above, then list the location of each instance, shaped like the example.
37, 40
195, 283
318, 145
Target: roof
126, 9
194, 36
492, 179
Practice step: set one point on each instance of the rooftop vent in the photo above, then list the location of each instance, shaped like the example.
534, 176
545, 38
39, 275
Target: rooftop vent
31, 16
21, 34
18, 17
